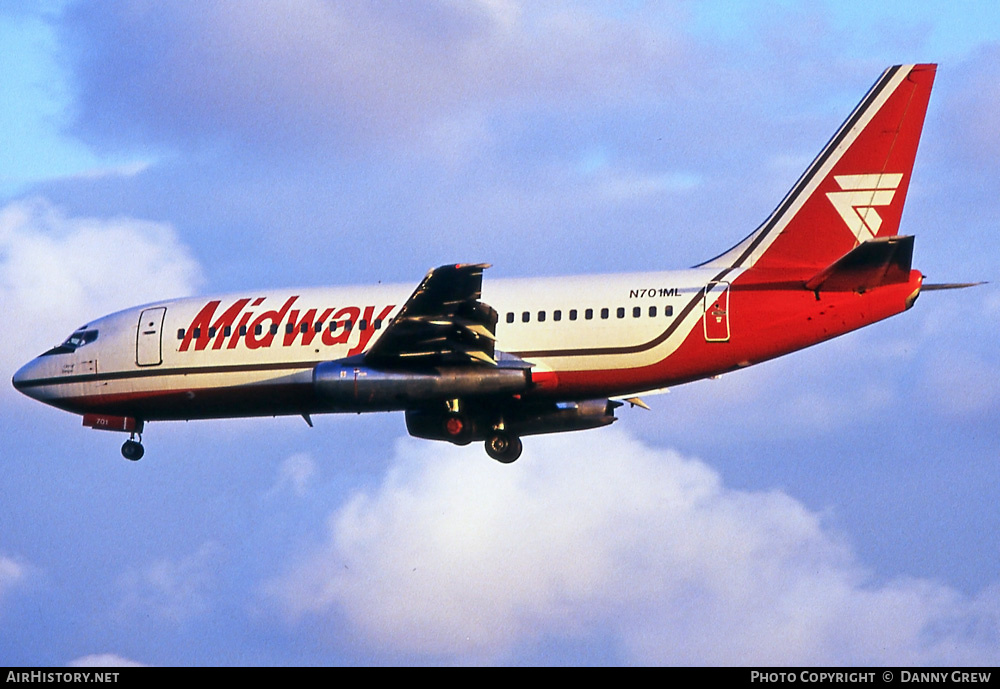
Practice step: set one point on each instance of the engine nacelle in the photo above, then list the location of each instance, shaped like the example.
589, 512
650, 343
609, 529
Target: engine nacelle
348, 387
565, 416
518, 419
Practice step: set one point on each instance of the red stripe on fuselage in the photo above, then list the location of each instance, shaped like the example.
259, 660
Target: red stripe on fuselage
764, 324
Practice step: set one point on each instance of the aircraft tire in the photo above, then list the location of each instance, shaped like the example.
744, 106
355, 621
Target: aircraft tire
132, 450
503, 447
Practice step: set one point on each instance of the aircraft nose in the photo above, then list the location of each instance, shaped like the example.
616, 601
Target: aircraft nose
25, 376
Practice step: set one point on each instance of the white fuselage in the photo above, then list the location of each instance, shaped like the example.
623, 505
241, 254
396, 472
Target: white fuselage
231, 354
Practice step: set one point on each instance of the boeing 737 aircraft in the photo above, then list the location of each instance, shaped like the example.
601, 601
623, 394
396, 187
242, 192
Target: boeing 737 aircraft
469, 359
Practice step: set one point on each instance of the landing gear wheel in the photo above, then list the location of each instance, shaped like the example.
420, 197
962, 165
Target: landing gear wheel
503, 447
456, 429
132, 450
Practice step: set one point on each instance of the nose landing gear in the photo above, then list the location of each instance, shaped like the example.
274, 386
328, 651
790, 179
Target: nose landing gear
132, 449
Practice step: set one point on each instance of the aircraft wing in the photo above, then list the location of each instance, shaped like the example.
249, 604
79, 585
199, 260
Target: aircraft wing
442, 323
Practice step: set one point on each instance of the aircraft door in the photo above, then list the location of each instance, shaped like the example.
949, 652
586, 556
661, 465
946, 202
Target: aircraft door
148, 337
717, 312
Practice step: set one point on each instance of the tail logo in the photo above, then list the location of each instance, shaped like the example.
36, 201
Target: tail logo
856, 203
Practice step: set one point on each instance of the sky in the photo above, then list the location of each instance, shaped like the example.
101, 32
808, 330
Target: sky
834, 507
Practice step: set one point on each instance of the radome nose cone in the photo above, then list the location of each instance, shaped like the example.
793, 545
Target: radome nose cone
23, 377
19, 378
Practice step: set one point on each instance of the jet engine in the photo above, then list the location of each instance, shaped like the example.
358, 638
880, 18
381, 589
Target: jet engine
517, 419
348, 387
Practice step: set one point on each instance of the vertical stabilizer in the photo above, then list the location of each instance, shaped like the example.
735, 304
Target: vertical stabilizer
854, 191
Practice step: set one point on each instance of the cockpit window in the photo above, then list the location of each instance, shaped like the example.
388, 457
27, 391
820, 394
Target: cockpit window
74, 342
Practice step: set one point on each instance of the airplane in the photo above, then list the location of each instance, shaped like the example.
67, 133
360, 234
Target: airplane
468, 359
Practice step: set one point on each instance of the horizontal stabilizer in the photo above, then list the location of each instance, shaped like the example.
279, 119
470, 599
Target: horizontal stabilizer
877, 262
934, 287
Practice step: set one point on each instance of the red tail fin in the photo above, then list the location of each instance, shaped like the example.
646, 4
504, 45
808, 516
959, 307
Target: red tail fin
855, 189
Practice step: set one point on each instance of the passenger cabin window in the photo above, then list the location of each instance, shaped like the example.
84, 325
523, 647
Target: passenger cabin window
652, 312
588, 314
668, 310
605, 313
510, 316
572, 314
525, 317
557, 315
621, 312
541, 316
636, 312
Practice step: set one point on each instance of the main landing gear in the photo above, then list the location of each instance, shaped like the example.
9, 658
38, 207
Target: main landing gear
503, 446
132, 449
461, 425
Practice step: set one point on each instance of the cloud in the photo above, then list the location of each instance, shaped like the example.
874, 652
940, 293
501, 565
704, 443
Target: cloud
960, 374
129, 169
103, 660
12, 574
56, 272
295, 474
599, 536
173, 590
269, 77
973, 126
